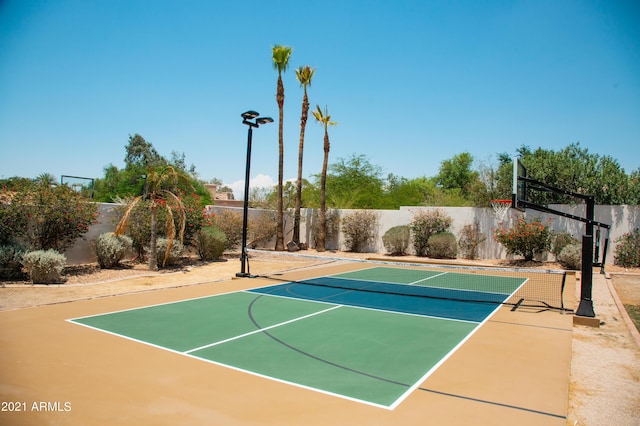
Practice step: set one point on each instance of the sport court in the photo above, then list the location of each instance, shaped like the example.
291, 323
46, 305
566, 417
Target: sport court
369, 335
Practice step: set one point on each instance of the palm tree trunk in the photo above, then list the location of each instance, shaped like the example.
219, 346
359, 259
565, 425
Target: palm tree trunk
303, 125
153, 255
323, 189
280, 218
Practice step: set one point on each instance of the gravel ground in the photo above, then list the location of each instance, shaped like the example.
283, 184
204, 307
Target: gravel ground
605, 371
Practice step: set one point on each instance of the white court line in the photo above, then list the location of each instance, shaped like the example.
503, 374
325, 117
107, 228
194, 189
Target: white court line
260, 330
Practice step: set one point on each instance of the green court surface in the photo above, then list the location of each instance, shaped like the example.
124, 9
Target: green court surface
372, 356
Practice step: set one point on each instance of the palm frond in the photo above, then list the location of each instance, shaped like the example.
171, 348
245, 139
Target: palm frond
121, 227
280, 57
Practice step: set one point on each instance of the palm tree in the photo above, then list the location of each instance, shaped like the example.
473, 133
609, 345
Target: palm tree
280, 58
159, 186
304, 75
325, 120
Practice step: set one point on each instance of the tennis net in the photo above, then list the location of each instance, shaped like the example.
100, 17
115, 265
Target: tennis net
518, 287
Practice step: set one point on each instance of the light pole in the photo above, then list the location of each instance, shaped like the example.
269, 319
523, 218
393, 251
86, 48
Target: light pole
246, 117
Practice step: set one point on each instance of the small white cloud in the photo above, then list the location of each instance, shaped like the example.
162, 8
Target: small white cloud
260, 181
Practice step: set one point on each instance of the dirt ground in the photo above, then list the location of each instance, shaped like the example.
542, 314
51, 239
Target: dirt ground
605, 370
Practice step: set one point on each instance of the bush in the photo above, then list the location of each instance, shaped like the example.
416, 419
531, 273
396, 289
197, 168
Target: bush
470, 240
44, 267
331, 226
359, 229
571, 257
560, 241
174, 254
426, 223
231, 224
139, 226
525, 238
111, 249
11, 260
628, 250
262, 229
13, 224
210, 243
396, 239
443, 246
57, 216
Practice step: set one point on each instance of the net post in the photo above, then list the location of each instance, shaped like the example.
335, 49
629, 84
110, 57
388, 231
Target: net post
585, 308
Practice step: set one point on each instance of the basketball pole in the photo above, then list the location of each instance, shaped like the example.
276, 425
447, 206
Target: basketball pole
585, 308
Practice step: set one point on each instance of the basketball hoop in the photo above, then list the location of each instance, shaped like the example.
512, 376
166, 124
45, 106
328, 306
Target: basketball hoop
501, 207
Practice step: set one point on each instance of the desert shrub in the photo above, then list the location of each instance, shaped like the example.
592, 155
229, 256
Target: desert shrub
525, 238
174, 254
139, 223
571, 256
470, 240
443, 246
359, 229
560, 241
44, 266
231, 224
56, 216
331, 226
210, 243
426, 223
262, 228
396, 239
11, 260
111, 249
628, 250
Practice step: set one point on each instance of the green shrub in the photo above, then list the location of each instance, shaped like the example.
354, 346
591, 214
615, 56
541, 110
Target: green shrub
628, 250
443, 246
396, 239
470, 240
111, 249
525, 238
231, 224
139, 226
56, 216
359, 229
11, 260
44, 267
174, 254
560, 241
426, 223
210, 243
13, 223
571, 257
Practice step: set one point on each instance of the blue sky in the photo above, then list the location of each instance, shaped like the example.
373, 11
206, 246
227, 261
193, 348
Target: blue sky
411, 83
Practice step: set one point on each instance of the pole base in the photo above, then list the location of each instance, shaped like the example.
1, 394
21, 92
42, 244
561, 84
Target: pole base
585, 308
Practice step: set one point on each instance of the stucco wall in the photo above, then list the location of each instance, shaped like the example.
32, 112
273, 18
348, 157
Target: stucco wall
622, 219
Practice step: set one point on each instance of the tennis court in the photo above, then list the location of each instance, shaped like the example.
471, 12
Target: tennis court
370, 335
345, 343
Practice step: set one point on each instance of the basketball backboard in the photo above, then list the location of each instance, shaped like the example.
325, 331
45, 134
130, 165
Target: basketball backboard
519, 185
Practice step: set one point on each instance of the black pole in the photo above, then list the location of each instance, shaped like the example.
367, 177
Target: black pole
585, 308
244, 256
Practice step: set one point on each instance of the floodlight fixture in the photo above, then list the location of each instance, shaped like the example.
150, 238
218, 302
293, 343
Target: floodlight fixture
250, 115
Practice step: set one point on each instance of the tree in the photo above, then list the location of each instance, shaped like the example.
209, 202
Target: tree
325, 120
161, 187
355, 183
142, 154
304, 75
456, 173
574, 169
280, 58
